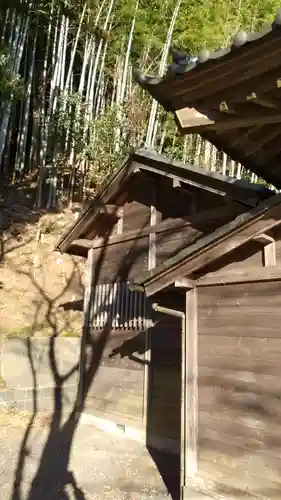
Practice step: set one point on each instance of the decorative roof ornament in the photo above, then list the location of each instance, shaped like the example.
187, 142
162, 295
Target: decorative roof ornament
181, 61
240, 39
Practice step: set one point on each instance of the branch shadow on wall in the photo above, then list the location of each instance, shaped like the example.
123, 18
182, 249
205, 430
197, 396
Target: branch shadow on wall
239, 441
163, 405
53, 475
159, 349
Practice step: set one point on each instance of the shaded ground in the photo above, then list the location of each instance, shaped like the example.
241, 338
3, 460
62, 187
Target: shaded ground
102, 466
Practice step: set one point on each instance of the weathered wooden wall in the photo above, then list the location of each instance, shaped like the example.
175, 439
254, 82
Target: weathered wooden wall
240, 387
116, 393
139, 379
180, 217
121, 262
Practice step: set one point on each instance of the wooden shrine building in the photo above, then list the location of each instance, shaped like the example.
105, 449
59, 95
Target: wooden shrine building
229, 281
183, 274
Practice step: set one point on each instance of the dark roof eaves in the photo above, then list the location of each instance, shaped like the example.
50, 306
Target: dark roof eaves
186, 167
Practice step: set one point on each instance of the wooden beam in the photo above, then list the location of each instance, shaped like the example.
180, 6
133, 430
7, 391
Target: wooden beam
190, 400
185, 283
229, 123
190, 117
214, 110
226, 116
251, 106
176, 183
152, 238
152, 249
252, 275
263, 238
167, 225
253, 98
120, 222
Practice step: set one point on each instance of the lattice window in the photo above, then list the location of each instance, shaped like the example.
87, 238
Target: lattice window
125, 309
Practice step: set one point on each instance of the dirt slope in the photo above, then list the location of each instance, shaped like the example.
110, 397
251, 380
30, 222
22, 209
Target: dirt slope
36, 283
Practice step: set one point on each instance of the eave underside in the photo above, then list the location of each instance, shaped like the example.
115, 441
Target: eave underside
238, 95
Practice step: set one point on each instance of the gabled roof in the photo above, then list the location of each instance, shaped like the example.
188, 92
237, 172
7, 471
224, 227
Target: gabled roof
211, 247
238, 92
150, 161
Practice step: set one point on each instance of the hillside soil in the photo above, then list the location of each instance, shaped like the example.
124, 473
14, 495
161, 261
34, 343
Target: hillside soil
40, 289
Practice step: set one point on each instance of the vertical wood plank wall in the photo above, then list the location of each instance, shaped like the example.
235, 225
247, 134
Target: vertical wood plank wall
117, 392
131, 358
240, 388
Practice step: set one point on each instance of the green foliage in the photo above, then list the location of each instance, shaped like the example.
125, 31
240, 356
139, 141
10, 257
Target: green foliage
100, 142
10, 82
212, 23
69, 122
102, 151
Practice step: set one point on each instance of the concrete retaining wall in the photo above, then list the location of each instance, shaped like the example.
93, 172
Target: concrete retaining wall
25, 368
17, 388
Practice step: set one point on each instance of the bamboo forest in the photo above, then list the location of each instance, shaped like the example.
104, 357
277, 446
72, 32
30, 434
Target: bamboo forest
69, 106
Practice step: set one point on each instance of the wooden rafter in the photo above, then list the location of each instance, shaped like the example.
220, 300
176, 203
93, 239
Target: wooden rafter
260, 101
221, 121
185, 283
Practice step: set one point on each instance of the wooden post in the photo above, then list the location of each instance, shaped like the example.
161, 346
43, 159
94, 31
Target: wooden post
88, 299
152, 240
269, 249
269, 254
190, 391
154, 219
